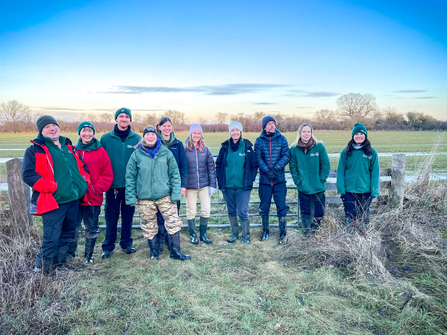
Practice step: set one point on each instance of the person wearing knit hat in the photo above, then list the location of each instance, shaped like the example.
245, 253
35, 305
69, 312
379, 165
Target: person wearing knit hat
59, 180
236, 170
120, 143
101, 176
201, 182
149, 129
358, 179
272, 154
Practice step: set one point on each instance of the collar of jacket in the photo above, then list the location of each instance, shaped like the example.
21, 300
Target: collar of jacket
276, 134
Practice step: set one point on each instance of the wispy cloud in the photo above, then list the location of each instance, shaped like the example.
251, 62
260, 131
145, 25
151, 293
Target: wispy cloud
227, 89
264, 103
426, 97
410, 91
304, 107
311, 94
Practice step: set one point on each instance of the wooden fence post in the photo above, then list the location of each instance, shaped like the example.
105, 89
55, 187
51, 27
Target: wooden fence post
396, 198
19, 195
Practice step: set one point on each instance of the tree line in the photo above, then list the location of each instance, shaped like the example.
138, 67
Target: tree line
353, 107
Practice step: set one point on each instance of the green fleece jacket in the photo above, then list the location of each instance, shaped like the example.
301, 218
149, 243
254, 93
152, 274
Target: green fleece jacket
358, 173
310, 171
152, 178
119, 153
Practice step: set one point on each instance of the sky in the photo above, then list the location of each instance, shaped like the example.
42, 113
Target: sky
203, 57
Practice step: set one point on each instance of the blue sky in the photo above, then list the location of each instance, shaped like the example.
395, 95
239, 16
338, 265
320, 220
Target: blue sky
204, 57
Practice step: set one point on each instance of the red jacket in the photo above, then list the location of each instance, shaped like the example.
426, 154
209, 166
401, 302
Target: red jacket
38, 173
101, 175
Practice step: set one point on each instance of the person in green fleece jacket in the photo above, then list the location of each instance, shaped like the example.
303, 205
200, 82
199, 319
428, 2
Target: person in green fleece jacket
309, 166
358, 178
153, 183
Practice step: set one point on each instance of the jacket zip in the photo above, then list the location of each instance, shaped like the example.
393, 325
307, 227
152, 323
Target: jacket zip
271, 163
197, 165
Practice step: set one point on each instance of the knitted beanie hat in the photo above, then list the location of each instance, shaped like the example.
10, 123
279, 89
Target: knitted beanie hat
86, 124
266, 120
359, 128
44, 120
125, 111
149, 129
235, 124
195, 127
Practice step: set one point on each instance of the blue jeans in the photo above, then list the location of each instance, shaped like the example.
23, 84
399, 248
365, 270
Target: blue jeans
357, 206
237, 202
115, 201
279, 192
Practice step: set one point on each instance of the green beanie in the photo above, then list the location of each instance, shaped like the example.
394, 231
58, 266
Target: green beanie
45, 120
125, 111
86, 124
359, 128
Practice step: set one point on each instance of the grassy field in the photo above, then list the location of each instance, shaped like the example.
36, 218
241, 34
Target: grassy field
335, 141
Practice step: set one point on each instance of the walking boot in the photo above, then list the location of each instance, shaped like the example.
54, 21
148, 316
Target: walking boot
46, 266
60, 260
71, 249
307, 230
265, 227
174, 246
282, 229
192, 231
89, 246
234, 229
153, 247
106, 254
203, 227
245, 232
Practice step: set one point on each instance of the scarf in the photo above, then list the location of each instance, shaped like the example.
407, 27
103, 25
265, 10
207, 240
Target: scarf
306, 146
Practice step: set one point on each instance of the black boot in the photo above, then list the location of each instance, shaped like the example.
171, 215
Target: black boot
265, 227
245, 232
89, 246
45, 266
192, 231
203, 227
234, 229
307, 230
154, 248
282, 229
71, 249
174, 246
60, 260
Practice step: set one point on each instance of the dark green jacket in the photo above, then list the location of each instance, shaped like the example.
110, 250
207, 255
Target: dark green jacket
119, 153
152, 178
234, 171
358, 173
310, 171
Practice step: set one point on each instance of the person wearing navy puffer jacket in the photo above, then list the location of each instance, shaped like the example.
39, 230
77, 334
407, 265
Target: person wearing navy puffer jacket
272, 153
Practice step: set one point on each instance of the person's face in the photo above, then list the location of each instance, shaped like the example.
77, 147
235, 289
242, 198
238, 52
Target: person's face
306, 133
196, 136
123, 121
235, 134
359, 138
150, 138
52, 131
86, 135
270, 127
166, 129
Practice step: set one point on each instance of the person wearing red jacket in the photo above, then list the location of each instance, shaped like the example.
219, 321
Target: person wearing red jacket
59, 181
101, 175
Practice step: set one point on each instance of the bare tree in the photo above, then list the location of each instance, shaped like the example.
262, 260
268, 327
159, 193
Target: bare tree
14, 111
222, 117
259, 115
175, 116
105, 117
356, 105
325, 115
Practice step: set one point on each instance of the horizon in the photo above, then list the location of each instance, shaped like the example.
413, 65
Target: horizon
94, 56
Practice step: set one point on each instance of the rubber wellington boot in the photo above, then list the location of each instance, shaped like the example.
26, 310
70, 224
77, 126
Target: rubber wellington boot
234, 229
89, 246
265, 227
282, 229
192, 231
174, 246
245, 232
154, 248
203, 227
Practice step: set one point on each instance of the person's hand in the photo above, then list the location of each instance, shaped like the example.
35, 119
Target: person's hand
272, 174
183, 191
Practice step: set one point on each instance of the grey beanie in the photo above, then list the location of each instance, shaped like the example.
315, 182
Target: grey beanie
44, 120
195, 127
235, 124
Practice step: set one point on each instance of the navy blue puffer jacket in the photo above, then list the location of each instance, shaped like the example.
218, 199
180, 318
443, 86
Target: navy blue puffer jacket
201, 171
272, 153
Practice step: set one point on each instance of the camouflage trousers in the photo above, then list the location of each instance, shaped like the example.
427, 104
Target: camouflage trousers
148, 214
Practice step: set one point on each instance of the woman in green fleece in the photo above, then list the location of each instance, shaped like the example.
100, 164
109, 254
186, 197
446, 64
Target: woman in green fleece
309, 165
358, 176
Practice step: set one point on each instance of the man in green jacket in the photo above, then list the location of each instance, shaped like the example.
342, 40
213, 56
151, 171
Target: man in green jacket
120, 144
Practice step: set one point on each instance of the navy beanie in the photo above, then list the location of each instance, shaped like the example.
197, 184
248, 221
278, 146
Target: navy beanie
266, 120
149, 129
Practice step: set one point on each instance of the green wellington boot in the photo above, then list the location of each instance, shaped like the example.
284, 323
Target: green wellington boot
234, 229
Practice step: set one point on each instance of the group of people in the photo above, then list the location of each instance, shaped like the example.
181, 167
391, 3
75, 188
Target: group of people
154, 171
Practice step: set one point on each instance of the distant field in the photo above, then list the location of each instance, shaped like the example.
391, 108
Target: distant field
383, 141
